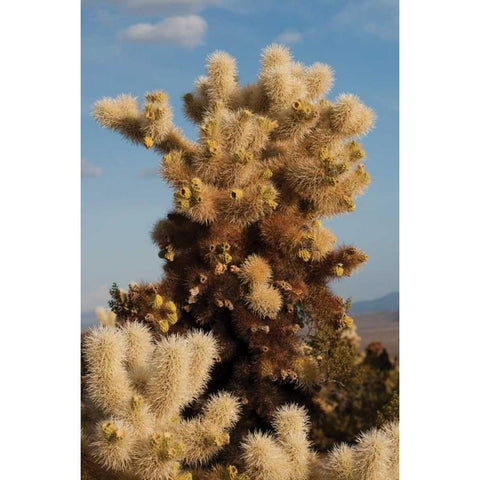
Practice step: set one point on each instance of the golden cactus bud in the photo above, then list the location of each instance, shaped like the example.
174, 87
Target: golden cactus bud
148, 142
232, 472
224, 247
196, 185
212, 146
170, 307
185, 476
184, 192
177, 449
108, 429
218, 105
269, 194
158, 96
111, 432
338, 270
224, 258
348, 321
155, 440
169, 255
182, 203
157, 302
222, 439
297, 105
356, 151
163, 325
137, 402
304, 254
331, 181
172, 318
363, 174
245, 115
236, 194
323, 153
267, 125
362, 257
267, 174
209, 128
165, 446
242, 156
349, 203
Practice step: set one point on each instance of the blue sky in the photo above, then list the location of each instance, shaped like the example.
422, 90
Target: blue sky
133, 46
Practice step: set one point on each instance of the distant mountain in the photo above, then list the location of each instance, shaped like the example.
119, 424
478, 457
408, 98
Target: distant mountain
379, 327
389, 302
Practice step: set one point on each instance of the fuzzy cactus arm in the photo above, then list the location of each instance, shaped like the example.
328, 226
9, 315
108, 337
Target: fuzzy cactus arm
139, 345
392, 432
120, 114
221, 83
291, 427
168, 387
204, 437
113, 444
264, 459
152, 127
341, 464
107, 381
372, 455
205, 352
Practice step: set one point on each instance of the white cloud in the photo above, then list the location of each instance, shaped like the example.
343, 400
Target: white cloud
188, 31
160, 6
374, 17
90, 170
289, 37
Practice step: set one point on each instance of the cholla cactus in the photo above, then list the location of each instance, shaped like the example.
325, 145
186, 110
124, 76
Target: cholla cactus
135, 392
375, 456
245, 248
287, 456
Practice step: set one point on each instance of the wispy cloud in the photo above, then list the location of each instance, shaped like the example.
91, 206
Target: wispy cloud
187, 31
290, 37
374, 17
159, 6
90, 170
148, 172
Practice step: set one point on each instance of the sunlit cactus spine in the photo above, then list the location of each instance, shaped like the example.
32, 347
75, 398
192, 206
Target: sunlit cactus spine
245, 249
